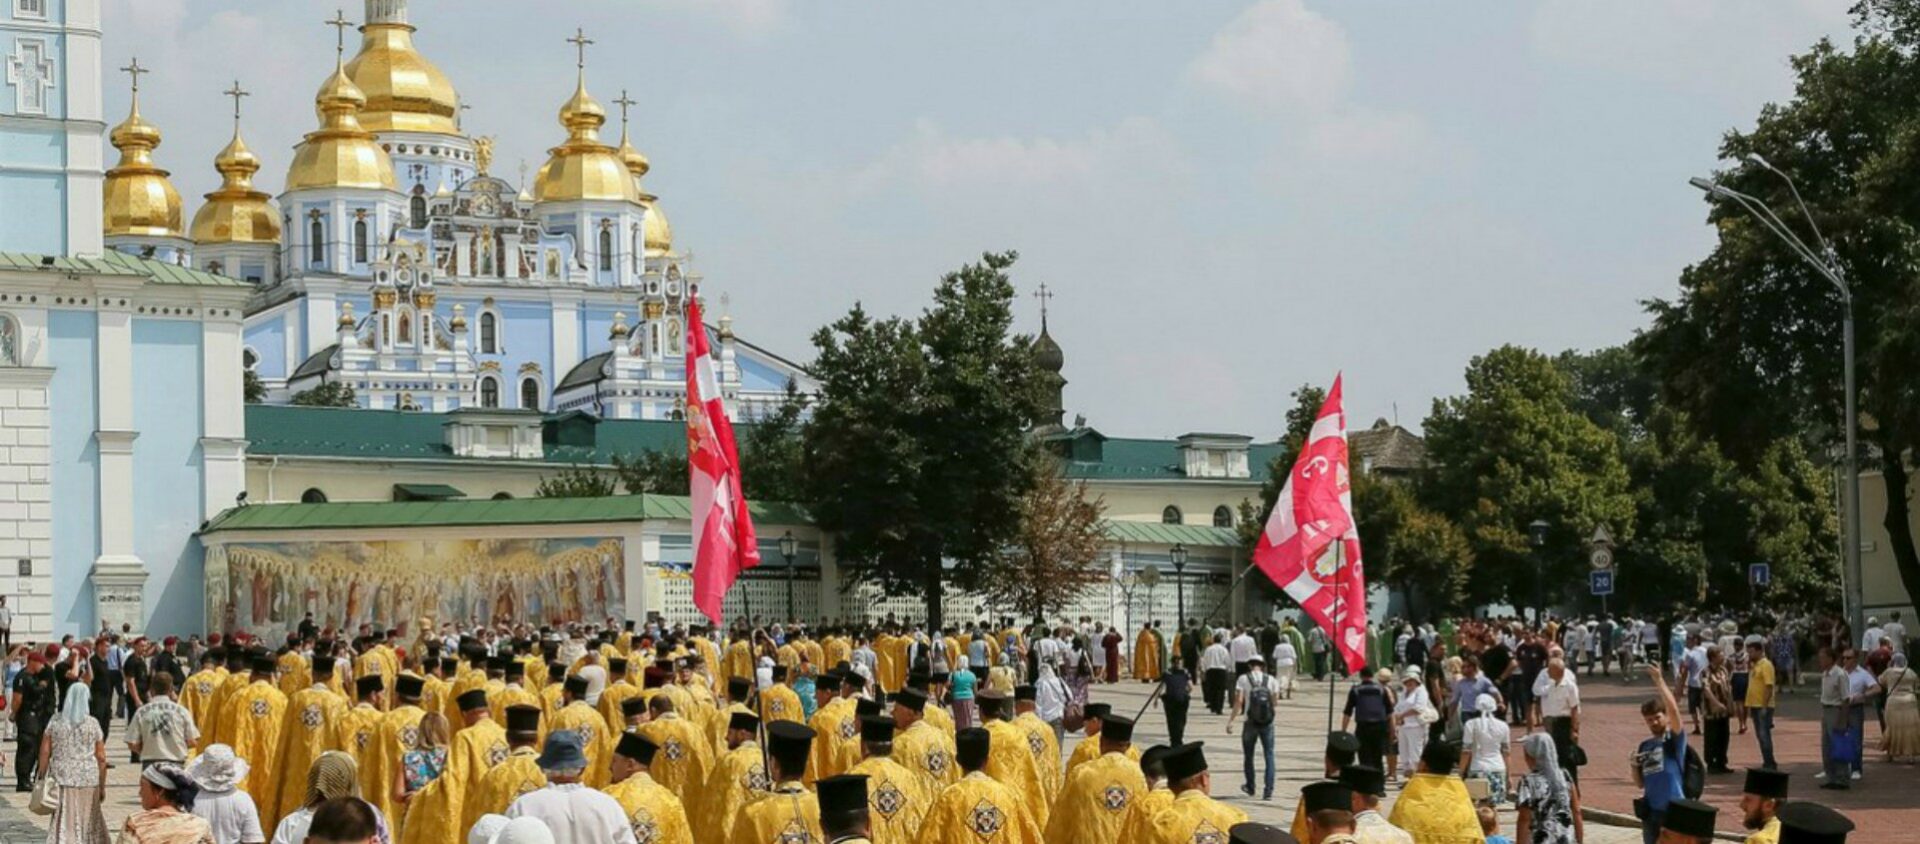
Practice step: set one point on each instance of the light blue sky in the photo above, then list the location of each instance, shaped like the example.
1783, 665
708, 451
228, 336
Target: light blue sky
1228, 198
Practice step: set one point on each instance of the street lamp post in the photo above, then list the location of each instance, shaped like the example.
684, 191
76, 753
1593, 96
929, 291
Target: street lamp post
788, 548
1178, 553
1537, 537
1827, 263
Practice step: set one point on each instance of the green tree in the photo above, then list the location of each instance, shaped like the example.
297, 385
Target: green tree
326, 394
773, 451
1750, 349
653, 472
576, 482
252, 390
1057, 554
1514, 450
914, 454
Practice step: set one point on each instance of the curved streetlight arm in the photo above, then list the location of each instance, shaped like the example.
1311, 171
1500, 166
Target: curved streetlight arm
1825, 246
1829, 269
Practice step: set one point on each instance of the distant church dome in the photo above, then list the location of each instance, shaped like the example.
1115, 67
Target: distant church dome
583, 167
138, 198
404, 91
237, 212
1047, 353
341, 153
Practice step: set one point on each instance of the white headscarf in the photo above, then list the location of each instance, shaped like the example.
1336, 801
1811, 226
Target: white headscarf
78, 706
1544, 757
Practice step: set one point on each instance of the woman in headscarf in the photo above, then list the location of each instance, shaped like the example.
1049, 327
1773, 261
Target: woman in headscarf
1901, 740
1548, 806
74, 754
166, 809
334, 774
966, 712
1483, 747
1050, 696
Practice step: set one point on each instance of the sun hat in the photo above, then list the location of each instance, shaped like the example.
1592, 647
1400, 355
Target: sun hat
218, 770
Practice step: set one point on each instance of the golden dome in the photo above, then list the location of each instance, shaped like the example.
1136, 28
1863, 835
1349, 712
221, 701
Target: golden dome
138, 199
341, 153
236, 212
583, 167
404, 91
635, 160
655, 233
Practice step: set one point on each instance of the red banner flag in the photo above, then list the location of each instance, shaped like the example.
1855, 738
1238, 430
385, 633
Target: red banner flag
1311, 547
724, 544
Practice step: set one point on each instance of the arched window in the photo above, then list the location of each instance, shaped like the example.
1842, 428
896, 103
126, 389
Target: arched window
530, 393
606, 250
1222, 516
489, 392
313, 495
359, 241
417, 207
317, 243
406, 328
1170, 516
503, 496
9, 341
489, 334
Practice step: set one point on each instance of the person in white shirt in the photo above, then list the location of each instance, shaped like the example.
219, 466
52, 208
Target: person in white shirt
1483, 748
1284, 662
1874, 632
574, 813
1556, 696
1215, 662
1242, 648
221, 802
1255, 684
1896, 632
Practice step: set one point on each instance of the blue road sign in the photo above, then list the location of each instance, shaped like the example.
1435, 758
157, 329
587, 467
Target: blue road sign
1600, 582
1760, 574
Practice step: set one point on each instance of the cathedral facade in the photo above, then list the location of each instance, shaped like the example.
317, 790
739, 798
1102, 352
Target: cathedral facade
396, 263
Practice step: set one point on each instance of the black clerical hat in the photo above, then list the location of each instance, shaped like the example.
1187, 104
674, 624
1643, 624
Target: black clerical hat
471, 700
1364, 779
876, 728
368, 684
1098, 710
1812, 823
1762, 782
1185, 761
636, 747
743, 721
1116, 728
577, 686
844, 793
523, 719
1258, 833
409, 686
913, 699
971, 746
1690, 817
1327, 794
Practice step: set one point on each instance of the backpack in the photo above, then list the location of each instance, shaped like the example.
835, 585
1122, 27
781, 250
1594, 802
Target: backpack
1260, 702
1693, 775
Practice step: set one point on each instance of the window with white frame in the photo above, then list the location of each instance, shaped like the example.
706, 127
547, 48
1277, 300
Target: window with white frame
35, 9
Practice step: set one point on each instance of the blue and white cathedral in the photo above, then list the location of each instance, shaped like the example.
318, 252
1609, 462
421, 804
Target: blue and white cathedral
396, 263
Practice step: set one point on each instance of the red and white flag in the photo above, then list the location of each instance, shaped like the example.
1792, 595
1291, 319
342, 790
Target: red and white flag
724, 544
1311, 547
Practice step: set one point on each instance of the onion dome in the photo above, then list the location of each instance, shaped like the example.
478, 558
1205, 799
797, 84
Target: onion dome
1047, 354
237, 212
583, 167
656, 233
138, 198
341, 153
404, 91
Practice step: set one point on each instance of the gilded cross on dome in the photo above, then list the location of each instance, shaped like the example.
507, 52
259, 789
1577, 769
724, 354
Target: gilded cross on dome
134, 70
236, 92
580, 42
339, 24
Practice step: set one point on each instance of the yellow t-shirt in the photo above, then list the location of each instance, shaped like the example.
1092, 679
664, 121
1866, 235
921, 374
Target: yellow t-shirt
1760, 684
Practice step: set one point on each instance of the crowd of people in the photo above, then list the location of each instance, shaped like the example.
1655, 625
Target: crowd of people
625, 732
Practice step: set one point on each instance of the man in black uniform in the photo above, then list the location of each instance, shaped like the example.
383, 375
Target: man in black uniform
32, 707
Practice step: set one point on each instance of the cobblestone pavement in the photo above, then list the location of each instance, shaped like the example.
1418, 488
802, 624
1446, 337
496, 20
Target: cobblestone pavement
1883, 803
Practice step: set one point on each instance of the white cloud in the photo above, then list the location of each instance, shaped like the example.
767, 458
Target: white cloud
1278, 56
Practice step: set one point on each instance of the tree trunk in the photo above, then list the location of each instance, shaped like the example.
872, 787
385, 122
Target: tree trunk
1898, 522
935, 597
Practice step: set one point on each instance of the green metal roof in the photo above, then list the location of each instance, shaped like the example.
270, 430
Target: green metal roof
412, 435
122, 264
1158, 533
510, 511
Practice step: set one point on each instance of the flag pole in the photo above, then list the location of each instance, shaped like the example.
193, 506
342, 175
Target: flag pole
1333, 640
